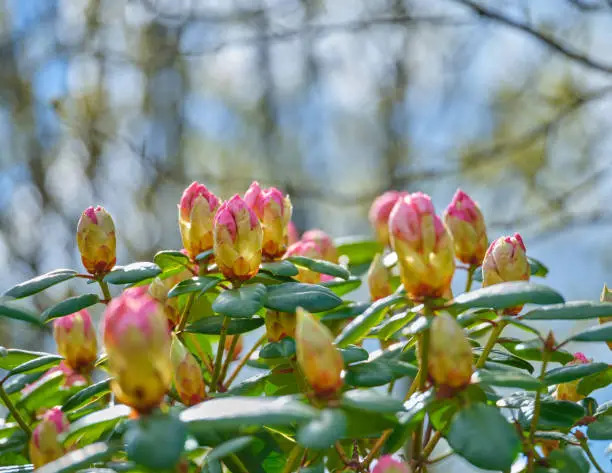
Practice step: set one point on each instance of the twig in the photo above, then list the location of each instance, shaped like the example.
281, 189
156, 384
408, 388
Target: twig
219, 358
185, 314
13, 410
228, 357
497, 330
377, 446
585, 446
245, 359
105, 290
536, 411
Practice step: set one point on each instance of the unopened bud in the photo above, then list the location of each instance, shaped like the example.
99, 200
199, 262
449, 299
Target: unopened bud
274, 212
279, 325
424, 248
450, 353
380, 212
96, 240
320, 361
387, 464
329, 252
137, 342
378, 279
238, 239
569, 391
76, 341
293, 235
311, 250
606, 296
466, 225
188, 379
197, 210
159, 288
45, 445
229, 341
548, 446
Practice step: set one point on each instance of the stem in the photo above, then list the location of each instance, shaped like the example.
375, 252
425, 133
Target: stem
497, 330
429, 448
219, 358
185, 314
13, 410
105, 290
536, 410
233, 463
377, 446
342, 454
424, 350
228, 357
587, 450
244, 360
442, 457
470, 277
295, 453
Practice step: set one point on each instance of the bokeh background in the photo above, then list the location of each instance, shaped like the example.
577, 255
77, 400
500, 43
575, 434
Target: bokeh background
125, 102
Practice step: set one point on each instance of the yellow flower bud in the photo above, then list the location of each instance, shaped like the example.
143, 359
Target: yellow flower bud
45, 446
606, 296
197, 210
96, 240
569, 391
378, 279
279, 325
159, 288
380, 212
320, 361
188, 379
76, 340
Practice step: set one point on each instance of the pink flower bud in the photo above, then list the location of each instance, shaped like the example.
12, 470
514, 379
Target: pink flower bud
279, 325
606, 296
76, 340
466, 225
387, 464
378, 279
188, 379
328, 249
45, 445
159, 288
96, 240
293, 235
424, 248
380, 212
318, 358
137, 343
71, 378
311, 250
450, 353
569, 391
238, 239
196, 216
274, 212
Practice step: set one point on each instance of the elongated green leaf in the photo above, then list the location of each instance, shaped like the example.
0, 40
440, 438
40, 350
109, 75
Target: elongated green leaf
284, 348
321, 266
283, 268
70, 306
378, 372
79, 459
91, 427
509, 379
564, 374
43, 393
12, 357
10, 311
204, 255
569, 460
132, 273
287, 297
199, 284
212, 325
394, 324
575, 310
597, 333
89, 394
231, 446
347, 311
38, 364
601, 429
371, 400
553, 414
169, 260
359, 328
595, 381
358, 250
240, 303
505, 295
18, 382
478, 423
40, 283
341, 287
534, 350
353, 354
323, 431
472, 316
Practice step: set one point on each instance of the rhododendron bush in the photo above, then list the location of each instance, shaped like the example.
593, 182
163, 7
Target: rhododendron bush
248, 351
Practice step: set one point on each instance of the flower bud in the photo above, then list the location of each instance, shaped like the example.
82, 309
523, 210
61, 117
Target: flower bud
293, 235
378, 279
279, 325
137, 343
188, 379
159, 288
329, 252
569, 391
238, 239
229, 340
387, 464
311, 250
606, 296
320, 361
274, 212
45, 445
424, 248
197, 210
450, 353
76, 340
96, 240
380, 212
466, 225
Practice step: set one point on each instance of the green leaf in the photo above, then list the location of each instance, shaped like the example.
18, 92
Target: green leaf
597, 333
510, 379
212, 325
321, 266
564, 374
204, 255
359, 328
38, 364
92, 426
170, 260
70, 306
359, 251
323, 431
156, 441
604, 410
534, 350
362, 424
389, 327
378, 372
240, 303
575, 310
89, 394
594, 381
199, 284
371, 400
569, 460
554, 415
472, 316
13, 357
347, 311
353, 354
537, 267
478, 423
318, 468
40, 283
505, 295
44, 393
601, 429
18, 382
79, 459
282, 268
342, 287
287, 297
284, 348
132, 273
10, 311
227, 448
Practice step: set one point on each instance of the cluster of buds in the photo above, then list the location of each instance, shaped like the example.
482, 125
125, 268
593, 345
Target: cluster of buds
45, 445
387, 464
197, 210
379, 281
318, 358
237, 240
279, 325
137, 342
568, 391
424, 248
274, 212
96, 241
188, 380
380, 212
606, 296
450, 360
75, 336
466, 225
